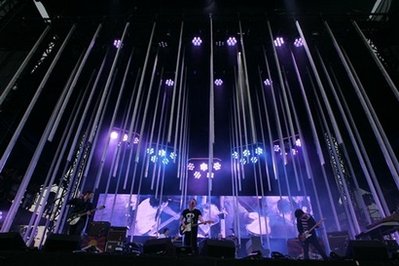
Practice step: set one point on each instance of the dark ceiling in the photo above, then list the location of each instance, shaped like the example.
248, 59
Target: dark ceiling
196, 14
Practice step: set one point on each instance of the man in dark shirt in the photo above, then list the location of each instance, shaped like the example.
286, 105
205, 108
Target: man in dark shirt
82, 207
306, 226
189, 221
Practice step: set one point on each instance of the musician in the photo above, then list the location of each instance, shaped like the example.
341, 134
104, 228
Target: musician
305, 222
80, 205
189, 221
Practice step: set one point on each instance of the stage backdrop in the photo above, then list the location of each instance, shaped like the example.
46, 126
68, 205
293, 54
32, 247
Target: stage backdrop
242, 216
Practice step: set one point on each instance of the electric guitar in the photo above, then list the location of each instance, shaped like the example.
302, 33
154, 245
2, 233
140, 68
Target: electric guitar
187, 227
305, 235
75, 217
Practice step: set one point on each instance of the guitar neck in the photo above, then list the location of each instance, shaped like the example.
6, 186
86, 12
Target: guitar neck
314, 226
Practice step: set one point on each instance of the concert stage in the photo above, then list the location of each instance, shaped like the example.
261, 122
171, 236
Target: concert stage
16, 258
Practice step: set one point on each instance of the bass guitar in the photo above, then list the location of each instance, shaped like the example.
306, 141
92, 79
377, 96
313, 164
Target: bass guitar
75, 217
187, 227
308, 233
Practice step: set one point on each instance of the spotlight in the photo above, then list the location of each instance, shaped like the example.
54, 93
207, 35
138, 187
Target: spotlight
298, 42
279, 41
298, 143
212, 175
114, 135
150, 150
169, 82
196, 41
162, 153
231, 41
136, 140
267, 82
163, 44
197, 175
190, 166
217, 166
204, 167
172, 155
254, 159
117, 43
276, 148
154, 158
218, 82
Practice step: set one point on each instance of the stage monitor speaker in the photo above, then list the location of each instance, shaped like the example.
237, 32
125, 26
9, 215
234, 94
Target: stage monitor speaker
117, 234
162, 246
367, 250
254, 246
98, 229
218, 248
62, 243
338, 242
12, 241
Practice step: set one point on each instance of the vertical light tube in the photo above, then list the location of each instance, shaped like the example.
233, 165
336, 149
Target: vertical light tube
32, 103
22, 66
72, 86
101, 106
33, 163
377, 61
375, 124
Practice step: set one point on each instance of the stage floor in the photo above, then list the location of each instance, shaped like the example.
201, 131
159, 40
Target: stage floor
23, 258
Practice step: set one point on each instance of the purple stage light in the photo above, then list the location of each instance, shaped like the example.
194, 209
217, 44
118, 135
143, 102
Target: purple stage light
169, 82
190, 166
163, 44
218, 82
231, 41
217, 166
276, 148
114, 135
196, 41
204, 167
117, 43
254, 159
246, 153
267, 82
278, 41
258, 151
197, 175
162, 153
298, 42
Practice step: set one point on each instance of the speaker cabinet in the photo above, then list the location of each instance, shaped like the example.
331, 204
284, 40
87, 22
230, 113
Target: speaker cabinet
162, 246
219, 248
367, 250
98, 229
338, 242
11, 241
117, 234
62, 243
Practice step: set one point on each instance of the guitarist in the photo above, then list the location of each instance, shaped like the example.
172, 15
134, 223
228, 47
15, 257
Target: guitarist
80, 205
189, 221
306, 226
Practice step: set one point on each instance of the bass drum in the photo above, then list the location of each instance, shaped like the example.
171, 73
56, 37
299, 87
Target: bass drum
259, 225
